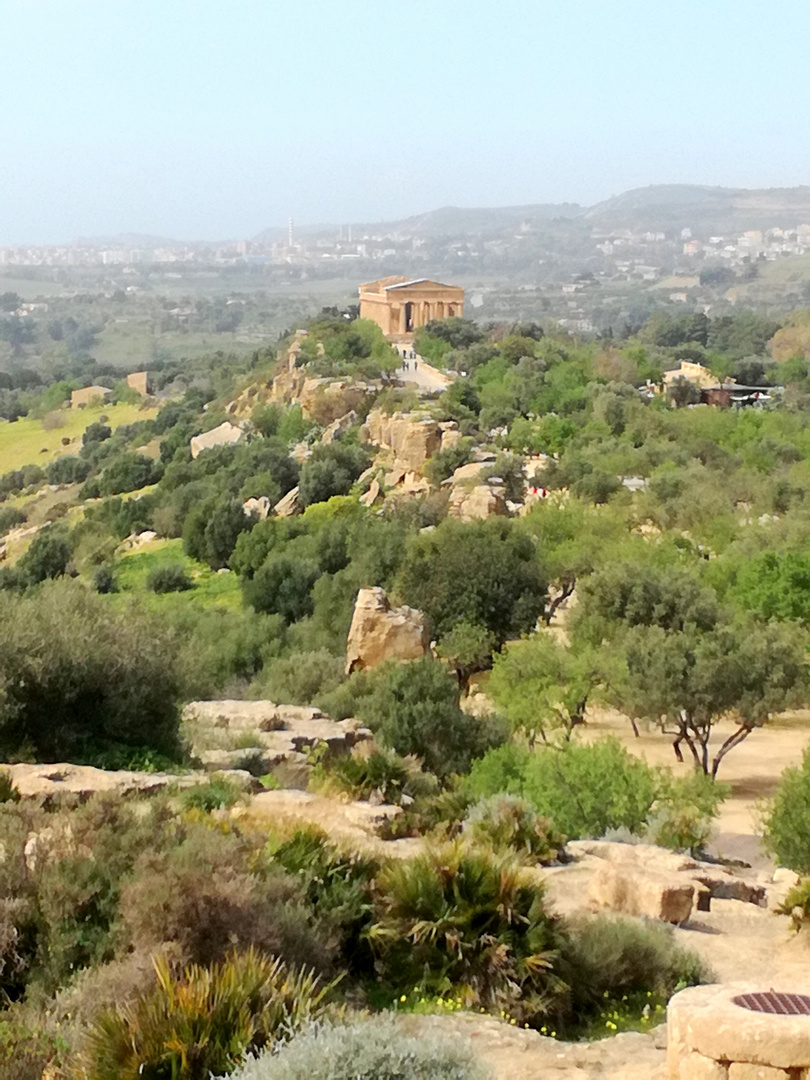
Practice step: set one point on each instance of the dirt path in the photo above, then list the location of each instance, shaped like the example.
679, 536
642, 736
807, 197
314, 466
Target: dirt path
424, 376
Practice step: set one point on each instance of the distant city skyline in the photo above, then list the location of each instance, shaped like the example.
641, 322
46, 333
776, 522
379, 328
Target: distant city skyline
201, 121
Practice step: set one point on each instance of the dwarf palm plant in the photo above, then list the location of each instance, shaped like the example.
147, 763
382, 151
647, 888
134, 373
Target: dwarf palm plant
202, 1022
468, 918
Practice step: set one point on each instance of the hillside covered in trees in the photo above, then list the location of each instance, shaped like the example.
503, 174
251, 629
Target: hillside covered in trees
573, 535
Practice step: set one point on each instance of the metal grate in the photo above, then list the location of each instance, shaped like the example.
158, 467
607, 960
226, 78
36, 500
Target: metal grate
775, 1004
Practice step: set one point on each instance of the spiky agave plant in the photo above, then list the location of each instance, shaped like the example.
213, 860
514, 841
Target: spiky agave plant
470, 919
202, 1022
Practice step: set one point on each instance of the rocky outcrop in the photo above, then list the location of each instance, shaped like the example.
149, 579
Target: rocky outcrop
323, 399
379, 632
282, 734
224, 435
80, 782
410, 437
374, 493
476, 504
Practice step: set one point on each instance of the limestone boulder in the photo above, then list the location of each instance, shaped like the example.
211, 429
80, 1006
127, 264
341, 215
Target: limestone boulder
339, 427
260, 506
633, 890
412, 438
469, 473
379, 632
478, 503
80, 782
288, 504
451, 436
372, 495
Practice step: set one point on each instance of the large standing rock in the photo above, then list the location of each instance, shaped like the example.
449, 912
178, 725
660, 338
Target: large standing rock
379, 632
633, 890
411, 437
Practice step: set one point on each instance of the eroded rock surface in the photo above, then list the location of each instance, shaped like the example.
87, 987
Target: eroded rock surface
410, 437
478, 503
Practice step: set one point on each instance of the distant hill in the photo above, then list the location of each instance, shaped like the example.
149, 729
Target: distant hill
663, 207
705, 210
455, 220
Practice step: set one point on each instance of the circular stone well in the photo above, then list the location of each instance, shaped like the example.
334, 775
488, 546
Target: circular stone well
738, 1031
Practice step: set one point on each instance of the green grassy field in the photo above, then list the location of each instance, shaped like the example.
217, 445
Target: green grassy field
26, 442
210, 589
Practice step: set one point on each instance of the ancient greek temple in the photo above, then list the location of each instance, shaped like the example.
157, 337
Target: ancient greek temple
399, 305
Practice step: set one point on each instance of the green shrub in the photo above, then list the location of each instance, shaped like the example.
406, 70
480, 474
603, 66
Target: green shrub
104, 579
509, 823
414, 709
441, 815
26, 1051
331, 470
47, 557
300, 678
797, 904
685, 810
372, 1049
216, 794
78, 676
445, 462
486, 573
785, 818
8, 790
169, 578
201, 1022
216, 890
606, 958
583, 790
376, 771
337, 885
10, 518
464, 917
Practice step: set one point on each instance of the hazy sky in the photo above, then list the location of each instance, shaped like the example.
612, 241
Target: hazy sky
216, 118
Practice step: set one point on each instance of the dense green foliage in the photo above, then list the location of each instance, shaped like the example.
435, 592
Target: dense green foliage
76, 678
584, 790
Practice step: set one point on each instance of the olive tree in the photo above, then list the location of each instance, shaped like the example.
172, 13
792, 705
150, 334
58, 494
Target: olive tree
687, 681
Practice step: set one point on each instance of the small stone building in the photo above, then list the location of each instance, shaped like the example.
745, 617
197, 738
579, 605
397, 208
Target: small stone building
400, 305
139, 381
89, 395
